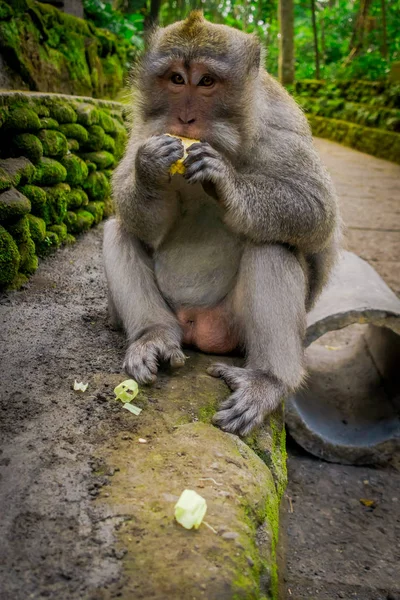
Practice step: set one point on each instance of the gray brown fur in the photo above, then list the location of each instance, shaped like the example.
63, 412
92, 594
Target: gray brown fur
262, 239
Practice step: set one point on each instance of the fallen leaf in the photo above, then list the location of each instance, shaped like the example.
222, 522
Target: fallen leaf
79, 386
369, 503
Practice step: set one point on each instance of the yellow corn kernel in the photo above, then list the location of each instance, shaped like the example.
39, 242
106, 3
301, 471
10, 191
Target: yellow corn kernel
178, 166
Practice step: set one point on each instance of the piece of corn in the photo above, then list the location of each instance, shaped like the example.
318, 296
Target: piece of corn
178, 166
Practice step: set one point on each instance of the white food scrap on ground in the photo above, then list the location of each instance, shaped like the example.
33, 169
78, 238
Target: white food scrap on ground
79, 386
190, 509
132, 408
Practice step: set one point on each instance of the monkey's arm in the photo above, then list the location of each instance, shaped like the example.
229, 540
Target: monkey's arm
284, 196
145, 202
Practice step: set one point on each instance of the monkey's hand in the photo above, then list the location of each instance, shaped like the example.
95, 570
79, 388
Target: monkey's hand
206, 165
255, 395
155, 157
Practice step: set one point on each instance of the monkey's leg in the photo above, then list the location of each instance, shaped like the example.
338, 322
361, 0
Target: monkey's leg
153, 331
269, 304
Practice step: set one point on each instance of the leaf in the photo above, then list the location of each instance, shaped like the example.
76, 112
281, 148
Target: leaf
368, 503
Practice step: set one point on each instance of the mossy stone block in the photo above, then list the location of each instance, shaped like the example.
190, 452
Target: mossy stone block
77, 198
50, 243
76, 168
37, 227
85, 220
22, 119
75, 131
91, 166
73, 145
9, 258
97, 210
29, 145
5, 180
48, 123
42, 111
96, 138
107, 122
57, 197
54, 143
29, 261
38, 199
61, 232
97, 186
49, 172
87, 114
63, 113
120, 137
19, 170
109, 144
20, 230
102, 159
13, 205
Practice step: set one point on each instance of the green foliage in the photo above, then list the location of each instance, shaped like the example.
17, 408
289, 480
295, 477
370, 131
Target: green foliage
128, 26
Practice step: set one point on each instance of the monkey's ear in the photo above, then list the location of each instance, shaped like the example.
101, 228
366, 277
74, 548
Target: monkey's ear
253, 53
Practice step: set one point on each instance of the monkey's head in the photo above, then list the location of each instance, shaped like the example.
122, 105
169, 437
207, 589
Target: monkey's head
197, 80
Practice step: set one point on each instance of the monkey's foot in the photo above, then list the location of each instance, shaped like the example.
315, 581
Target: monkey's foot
143, 356
255, 395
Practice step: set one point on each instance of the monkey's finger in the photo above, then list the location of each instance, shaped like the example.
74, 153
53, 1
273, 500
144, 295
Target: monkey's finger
177, 359
231, 375
196, 150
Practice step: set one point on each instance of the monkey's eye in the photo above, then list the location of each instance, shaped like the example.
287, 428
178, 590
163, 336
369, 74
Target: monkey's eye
206, 81
177, 79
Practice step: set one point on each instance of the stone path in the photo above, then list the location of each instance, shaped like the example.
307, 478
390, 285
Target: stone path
335, 546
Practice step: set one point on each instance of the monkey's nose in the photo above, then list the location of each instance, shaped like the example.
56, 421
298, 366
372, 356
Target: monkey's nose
186, 121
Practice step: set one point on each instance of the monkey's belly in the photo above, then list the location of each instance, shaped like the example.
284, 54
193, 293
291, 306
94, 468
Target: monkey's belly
208, 329
197, 265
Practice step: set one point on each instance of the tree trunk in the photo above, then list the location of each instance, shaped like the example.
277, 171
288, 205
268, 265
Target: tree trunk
357, 38
286, 41
315, 33
151, 19
384, 51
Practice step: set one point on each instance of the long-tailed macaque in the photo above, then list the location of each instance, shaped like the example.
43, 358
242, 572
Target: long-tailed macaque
235, 251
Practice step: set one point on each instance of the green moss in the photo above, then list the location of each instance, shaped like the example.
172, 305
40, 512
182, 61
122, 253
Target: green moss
28, 145
77, 198
48, 123
76, 168
91, 166
29, 261
19, 170
61, 232
108, 173
102, 159
37, 228
75, 131
54, 143
49, 172
383, 144
57, 197
42, 111
6, 12
20, 230
96, 138
87, 114
97, 210
22, 119
50, 243
5, 180
97, 186
13, 205
107, 122
9, 258
18, 282
79, 221
73, 145
109, 144
38, 199
63, 112
120, 136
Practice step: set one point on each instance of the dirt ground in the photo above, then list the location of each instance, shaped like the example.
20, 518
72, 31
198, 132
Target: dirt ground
56, 542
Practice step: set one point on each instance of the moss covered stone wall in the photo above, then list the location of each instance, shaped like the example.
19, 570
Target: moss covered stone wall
56, 158
44, 49
362, 114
